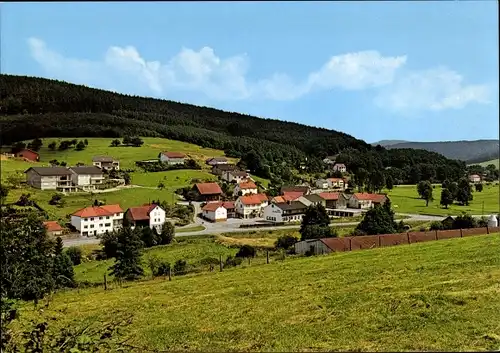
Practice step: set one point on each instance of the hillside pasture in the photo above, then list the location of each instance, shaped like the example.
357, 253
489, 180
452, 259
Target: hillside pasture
405, 199
493, 161
436, 296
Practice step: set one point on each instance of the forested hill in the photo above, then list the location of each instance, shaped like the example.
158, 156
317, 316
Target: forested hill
37, 107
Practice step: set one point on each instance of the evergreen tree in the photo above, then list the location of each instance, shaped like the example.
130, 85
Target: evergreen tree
167, 234
148, 237
62, 270
446, 198
378, 220
315, 223
128, 255
464, 192
389, 182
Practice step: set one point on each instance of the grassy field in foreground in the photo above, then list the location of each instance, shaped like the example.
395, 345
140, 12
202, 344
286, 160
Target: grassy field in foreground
405, 199
436, 296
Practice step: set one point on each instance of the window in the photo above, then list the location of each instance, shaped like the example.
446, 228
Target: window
101, 225
85, 227
91, 226
107, 217
107, 225
100, 218
92, 218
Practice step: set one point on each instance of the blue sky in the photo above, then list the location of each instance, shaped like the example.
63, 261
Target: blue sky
420, 71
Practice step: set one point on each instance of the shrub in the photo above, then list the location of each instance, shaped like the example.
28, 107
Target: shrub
246, 251
285, 242
436, 225
75, 255
180, 267
163, 269
233, 261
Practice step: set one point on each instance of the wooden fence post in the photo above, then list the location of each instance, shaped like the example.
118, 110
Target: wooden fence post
487, 230
436, 234
105, 282
169, 273
408, 236
350, 244
379, 241
220, 263
461, 235
249, 260
267, 256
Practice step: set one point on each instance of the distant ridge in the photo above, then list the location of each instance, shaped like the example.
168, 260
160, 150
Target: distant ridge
475, 151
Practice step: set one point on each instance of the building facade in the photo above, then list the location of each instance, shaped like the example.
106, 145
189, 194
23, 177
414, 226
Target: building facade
50, 178
152, 216
96, 220
87, 178
106, 163
172, 157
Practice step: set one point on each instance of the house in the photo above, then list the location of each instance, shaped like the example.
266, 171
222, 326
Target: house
237, 176
305, 190
87, 177
448, 222
217, 161
250, 206
106, 163
50, 178
95, 220
366, 200
291, 211
53, 228
149, 215
321, 183
339, 167
172, 158
246, 187
336, 183
230, 208
312, 200
329, 160
219, 169
214, 212
475, 178
207, 191
334, 200
288, 196
28, 155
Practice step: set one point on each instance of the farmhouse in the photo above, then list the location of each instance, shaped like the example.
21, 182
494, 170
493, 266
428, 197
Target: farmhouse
87, 178
250, 206
219, 169
214, 212
150, 215
339, 167
365, 200
97, 220
245, 188
207, 191
172, 157
475, 178
217, 161
106, 163
50, 178
291, 211
53, 228
334, 200
28, 155
312, 200
235, 176
336, 183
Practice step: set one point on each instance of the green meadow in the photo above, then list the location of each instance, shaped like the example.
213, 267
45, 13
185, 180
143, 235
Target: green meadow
493, 161
435, 296
405, 199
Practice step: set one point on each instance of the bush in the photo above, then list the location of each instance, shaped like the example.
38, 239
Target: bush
246, 251
436, 225
75, 255
285, 242
163, 269
180, 267
233, 261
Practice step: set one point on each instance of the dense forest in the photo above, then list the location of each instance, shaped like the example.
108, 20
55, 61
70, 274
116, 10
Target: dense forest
37, 107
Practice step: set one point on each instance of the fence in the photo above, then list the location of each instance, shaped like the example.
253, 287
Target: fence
385, 240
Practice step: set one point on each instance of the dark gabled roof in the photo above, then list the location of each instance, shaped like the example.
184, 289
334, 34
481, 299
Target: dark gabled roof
86, 170
103, 159
50, 171
292, 206
301, 188
314, 198
217, 159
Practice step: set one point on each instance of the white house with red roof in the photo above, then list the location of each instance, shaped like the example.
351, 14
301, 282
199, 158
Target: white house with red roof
215, 212
172, 157
207, 191
53, 228
149, 215
366, 200
236, 176
246, 187
475, 178
251, 206
91, 221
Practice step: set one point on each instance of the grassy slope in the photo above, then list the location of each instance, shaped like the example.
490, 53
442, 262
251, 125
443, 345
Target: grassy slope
405, 200
431, 296
493, 161
127, 156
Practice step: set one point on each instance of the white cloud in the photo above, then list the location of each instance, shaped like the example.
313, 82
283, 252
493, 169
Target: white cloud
219, 78
432, 90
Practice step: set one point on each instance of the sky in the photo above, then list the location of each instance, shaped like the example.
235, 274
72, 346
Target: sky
418, 71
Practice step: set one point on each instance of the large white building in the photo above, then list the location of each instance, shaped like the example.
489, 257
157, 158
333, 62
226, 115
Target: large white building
172, 157
236, 176
87, 178
95, 220
151, 215
250, 206
291, 211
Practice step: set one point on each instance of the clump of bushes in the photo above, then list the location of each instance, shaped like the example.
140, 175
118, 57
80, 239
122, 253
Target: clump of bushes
246, 251
75, 255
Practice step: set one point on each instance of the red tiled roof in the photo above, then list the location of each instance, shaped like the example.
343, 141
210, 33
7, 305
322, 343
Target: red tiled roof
329, 195
98, 211
278, 199
212, 206
247, 185
366, 196
174, 154
228, 205
141, 213
255, 199
335, 179
292, 195
208, 188
52, 226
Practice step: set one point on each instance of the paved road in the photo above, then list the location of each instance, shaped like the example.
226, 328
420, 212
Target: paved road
233, 226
